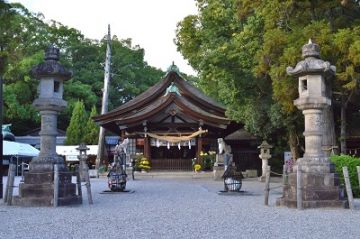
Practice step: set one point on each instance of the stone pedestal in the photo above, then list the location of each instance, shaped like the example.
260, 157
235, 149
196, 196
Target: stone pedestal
320, 185
38, 190
218, 172
219, 168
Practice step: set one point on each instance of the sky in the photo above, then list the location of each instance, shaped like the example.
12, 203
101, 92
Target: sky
151, 24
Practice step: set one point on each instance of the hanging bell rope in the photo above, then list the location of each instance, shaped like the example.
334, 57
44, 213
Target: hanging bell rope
176, 139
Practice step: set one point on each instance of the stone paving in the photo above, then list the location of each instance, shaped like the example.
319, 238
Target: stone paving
178, 207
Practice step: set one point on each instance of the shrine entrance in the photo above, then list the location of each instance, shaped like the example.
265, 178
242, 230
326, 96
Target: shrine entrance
172, 159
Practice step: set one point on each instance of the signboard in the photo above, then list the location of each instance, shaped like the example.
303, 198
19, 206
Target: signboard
288, 161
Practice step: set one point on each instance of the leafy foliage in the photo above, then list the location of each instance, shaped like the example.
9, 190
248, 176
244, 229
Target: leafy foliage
76, 131
351, 162
241, 49
91, 130
23, 40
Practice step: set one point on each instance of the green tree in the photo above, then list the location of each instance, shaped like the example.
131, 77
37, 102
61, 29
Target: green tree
76, 131
241, 49
92, 129
24, 36
221, 47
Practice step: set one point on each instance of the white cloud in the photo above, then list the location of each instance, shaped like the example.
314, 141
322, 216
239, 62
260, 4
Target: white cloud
150, 24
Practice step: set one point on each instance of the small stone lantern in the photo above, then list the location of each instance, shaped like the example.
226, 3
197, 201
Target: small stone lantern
265, 156
83, 168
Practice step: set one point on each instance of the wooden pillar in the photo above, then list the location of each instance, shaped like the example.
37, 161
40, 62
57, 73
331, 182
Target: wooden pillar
123, 134
147, 148
199, 148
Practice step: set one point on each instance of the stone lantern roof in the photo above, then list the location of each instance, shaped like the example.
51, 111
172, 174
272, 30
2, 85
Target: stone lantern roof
82, 147
51, 66
265, 145
312, 64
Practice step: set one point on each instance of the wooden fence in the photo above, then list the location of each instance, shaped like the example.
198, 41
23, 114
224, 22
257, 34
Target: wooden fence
171, 164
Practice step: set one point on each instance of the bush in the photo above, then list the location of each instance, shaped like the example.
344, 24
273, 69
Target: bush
208, 160
351, 162
142, 163
197, 167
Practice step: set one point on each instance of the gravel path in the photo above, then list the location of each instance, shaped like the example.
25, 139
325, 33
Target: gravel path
178, 208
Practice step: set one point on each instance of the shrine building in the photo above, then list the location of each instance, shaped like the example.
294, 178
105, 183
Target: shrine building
170, 123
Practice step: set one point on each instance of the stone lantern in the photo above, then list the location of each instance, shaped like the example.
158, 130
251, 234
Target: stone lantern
38, 186
265, 156
318, 183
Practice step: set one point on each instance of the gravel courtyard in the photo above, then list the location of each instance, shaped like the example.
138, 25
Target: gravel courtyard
178, 207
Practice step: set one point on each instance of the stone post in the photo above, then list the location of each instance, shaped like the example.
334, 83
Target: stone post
84, 171
265, 156
318, 181
37, 189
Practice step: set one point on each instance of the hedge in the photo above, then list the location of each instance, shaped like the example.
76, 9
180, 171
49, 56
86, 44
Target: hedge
351, 162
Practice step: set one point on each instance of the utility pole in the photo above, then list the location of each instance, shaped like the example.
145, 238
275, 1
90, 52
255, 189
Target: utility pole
1, 123
104, 106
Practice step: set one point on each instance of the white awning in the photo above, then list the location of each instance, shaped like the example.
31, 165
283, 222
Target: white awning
19, 149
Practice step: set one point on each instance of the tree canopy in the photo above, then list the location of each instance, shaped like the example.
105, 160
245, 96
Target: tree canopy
23, 39
241, 49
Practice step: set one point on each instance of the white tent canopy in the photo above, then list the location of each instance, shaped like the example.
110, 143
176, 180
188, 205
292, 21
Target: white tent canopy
19, 149
70, 152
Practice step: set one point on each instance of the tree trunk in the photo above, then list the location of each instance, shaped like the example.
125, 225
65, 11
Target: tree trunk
329, 136
293, 144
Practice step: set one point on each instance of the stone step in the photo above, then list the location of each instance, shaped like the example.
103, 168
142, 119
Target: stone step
313, 203
42, 201
45, 201
46, 190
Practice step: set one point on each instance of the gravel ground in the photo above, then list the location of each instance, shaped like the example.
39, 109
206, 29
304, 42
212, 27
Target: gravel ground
178, 208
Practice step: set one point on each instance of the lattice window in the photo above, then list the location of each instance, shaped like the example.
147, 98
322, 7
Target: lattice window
131, 149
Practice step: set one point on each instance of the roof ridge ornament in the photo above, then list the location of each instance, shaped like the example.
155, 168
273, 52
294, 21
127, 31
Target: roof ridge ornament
173, 68
172, 89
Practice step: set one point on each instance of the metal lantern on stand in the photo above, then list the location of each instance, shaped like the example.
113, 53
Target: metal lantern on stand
232, 179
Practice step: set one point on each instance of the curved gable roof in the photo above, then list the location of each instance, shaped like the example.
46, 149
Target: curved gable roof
192, 102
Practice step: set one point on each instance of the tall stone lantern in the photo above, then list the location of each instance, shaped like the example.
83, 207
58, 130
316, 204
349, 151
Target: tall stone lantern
318, 183
265, 156
38, 186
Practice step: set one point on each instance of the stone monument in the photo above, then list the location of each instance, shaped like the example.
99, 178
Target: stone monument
319, 184
265, 156
38, 186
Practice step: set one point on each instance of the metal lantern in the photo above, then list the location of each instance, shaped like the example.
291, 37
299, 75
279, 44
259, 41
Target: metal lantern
232, 179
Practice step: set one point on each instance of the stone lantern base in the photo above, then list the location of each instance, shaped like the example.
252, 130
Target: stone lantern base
218, 172
320, 186
38, 187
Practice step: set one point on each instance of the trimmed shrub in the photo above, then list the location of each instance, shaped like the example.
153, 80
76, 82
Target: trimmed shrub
351, 162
